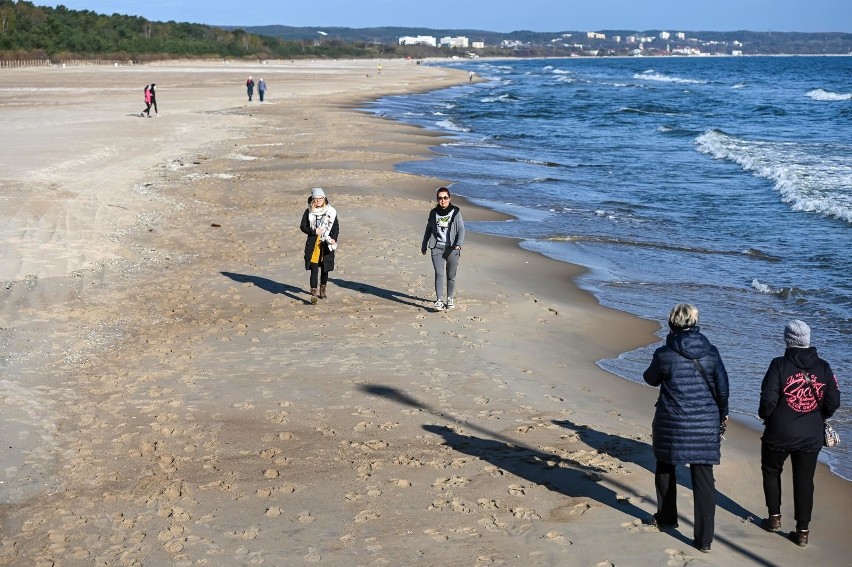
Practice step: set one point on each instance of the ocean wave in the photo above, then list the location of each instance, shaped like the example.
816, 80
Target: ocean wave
756, 254
823, 95
782, 292
648, 109
809, 177
770, 110
740, 85
752, 253
537, 162
499, 98
676, 130
448, 124
651, 75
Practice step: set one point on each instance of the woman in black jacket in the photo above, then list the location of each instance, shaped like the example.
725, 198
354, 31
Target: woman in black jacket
320, 224
799, 392
691, 408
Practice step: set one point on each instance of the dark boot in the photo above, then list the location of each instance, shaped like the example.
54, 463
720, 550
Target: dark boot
772, 523
313, 296
800, 537
322, 294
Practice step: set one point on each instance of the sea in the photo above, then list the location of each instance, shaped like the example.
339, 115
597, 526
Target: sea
725, 182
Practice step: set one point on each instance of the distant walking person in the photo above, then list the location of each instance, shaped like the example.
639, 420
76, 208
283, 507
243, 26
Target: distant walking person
470, 76
444, 236
147, 108
799, 392
250, 88
261, 88
154, 99
692, 410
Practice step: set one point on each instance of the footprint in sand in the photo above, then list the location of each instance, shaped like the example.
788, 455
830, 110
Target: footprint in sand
556, 537
677, 558
366, 516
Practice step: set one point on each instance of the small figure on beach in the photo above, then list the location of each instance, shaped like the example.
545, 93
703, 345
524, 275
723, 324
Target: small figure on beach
153, 92
321, 225
147, 108
379, 68
470, 76
261, 89
444, 236
250, 88
799, 392
692, 410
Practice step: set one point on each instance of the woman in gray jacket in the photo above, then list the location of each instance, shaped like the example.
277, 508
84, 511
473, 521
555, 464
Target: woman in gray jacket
444, 236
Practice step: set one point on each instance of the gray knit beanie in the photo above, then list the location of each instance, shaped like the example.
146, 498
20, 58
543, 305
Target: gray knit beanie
797, 334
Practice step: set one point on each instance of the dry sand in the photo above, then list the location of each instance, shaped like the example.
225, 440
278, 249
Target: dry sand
169, 397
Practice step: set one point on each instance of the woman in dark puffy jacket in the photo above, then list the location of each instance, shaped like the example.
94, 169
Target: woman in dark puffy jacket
798, 393
692, 407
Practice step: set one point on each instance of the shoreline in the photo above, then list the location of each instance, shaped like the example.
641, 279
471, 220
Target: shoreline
206, 410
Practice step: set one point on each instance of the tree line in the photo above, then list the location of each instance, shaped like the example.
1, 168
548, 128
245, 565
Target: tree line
28, 31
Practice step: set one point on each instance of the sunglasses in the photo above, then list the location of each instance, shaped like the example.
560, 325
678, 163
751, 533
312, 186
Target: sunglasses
444, 198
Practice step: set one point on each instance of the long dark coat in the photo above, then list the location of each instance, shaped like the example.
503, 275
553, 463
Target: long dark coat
326, 255
688, 416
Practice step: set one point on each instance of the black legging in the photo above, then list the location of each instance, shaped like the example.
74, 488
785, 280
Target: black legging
318, 275
804, 467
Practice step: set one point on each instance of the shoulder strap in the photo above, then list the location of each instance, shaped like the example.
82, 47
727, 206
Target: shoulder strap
706, 379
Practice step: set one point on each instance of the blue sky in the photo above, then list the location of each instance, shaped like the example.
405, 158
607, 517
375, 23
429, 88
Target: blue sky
497, 15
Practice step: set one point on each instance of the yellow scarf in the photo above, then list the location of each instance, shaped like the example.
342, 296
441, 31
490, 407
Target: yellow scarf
315, 255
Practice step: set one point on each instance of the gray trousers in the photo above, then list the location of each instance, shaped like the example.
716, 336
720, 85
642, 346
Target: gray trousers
445, 268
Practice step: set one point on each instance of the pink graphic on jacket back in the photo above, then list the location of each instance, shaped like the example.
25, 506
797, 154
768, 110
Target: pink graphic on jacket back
800, 395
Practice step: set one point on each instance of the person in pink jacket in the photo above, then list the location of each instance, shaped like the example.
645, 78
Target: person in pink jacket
147, 108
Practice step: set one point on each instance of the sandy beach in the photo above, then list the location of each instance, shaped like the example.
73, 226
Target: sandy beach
170, 397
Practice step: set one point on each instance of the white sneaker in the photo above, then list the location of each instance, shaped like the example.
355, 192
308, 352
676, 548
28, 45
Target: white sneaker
439, 305
451, 304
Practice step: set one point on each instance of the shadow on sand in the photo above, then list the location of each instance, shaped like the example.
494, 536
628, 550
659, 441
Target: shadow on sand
269, 285
564, 475
380, 292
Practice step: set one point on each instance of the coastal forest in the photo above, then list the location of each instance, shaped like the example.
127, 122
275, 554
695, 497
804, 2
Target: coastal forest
31, 32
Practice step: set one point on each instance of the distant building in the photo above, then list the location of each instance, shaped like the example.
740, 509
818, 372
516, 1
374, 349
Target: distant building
477, 44
459, 42
686, 51
665, 35
616, 38
419, 40
595, 35
680, 35
632, 39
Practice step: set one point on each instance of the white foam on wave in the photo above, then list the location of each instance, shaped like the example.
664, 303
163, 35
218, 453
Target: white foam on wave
823, 95
739, 86
762, 287
809, 177
498, 98
651, 75
448, 124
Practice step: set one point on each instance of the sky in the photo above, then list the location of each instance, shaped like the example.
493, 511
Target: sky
496, 15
